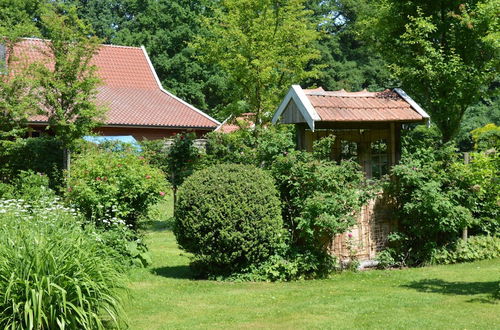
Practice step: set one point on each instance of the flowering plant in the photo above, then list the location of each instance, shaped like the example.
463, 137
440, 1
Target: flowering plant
114, 185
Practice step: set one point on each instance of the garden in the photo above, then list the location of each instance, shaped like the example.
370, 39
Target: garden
236, 230
102, 246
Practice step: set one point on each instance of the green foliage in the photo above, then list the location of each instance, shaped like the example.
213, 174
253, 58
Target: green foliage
53, 272
416, 140
486, 137
322, 148
156, 153
485, 112
182, 158
473, 249
124, 244
228, 216
480, 178
262, 46
16, 17
106, 185
67, 90
245, 146
385, 259
17, 92
347, 61
436, 196
33, 187
45, 156
444, 53
319, 200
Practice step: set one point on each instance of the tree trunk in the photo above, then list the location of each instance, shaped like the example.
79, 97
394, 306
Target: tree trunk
67, 161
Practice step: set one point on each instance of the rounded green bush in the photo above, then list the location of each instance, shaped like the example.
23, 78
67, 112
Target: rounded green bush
229, 217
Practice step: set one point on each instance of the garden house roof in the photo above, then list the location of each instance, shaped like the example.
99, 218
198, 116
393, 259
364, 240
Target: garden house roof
317, 105
130, 89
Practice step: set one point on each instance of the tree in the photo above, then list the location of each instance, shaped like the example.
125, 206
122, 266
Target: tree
17, 100
446, 53
348, 62
263, 47
165, 28
68, 80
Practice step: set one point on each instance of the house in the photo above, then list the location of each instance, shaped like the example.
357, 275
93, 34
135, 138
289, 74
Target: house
366, 125
233, 124
138, 104
367, 128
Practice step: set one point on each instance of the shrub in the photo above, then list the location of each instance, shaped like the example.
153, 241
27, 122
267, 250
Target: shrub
228, 216
319, 198
481, 180
474, 248
181, 160
156, 153
126, 245
432, 203
107, 185
486, 137
251, 147
45, 156
53, 272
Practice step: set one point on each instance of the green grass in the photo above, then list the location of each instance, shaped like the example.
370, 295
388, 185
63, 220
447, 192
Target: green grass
443, 297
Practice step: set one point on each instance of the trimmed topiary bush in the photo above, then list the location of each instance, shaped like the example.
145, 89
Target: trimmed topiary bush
229, 217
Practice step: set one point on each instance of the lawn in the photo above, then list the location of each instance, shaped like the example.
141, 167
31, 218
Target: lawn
164, 297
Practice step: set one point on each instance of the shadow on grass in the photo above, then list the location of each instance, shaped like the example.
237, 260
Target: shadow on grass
177, 272
490, 289
158, 225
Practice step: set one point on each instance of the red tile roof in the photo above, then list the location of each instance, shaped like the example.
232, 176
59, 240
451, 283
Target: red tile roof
130, 89
361, 106
233, 124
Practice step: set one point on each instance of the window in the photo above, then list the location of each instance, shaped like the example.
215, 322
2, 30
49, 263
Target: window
3, 59
349, 150
379, 158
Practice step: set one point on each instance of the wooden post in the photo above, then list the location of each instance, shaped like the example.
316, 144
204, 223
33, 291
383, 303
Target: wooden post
392, 128
300, 134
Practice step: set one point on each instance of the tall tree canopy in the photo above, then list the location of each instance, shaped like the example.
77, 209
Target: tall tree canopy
263, 46
446, 53
348, 62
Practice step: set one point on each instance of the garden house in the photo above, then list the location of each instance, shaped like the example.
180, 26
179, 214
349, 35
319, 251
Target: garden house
137, 103
366, 125
367, 128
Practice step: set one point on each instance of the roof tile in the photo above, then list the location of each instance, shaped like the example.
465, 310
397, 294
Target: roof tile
129, 89
361, 106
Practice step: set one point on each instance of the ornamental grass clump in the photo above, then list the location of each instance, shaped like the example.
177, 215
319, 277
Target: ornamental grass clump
229, 217
54, 272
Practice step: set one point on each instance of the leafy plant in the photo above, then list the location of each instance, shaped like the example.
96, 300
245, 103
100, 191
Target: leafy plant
258, 147
229, 217
182, 156
472, 249
106, 185
53, 272
486, 137
45, 157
